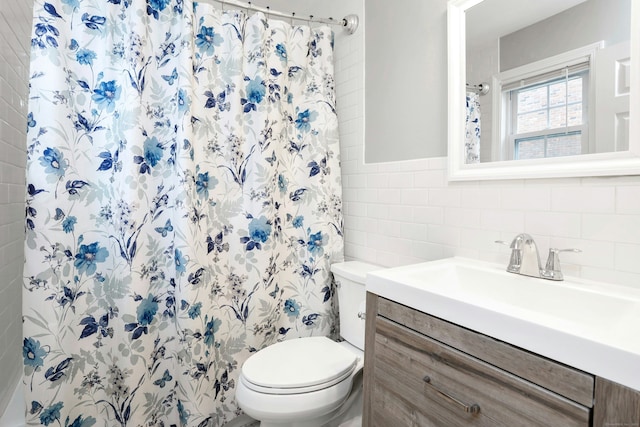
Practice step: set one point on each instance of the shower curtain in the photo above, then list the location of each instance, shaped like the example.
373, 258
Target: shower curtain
472, 129
183, 206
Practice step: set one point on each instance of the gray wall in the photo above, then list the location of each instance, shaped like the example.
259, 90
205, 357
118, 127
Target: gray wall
15, 20
587, 23
405, 79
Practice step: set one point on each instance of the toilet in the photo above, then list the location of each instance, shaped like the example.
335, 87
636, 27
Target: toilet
313, 381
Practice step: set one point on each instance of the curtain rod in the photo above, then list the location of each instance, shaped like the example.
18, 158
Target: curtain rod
349, 23
480, 89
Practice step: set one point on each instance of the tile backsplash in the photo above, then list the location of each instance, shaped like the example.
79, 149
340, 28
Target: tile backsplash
406, 212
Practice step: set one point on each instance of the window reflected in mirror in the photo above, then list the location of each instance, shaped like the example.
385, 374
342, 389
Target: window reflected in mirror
558, 78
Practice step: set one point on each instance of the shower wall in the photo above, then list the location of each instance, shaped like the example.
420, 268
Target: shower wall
15, 35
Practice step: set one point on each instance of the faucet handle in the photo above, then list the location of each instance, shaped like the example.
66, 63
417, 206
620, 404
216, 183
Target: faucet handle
515, 260
552, 269
555, 250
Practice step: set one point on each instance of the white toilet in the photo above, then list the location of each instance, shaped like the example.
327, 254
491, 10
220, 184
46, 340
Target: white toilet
311, 382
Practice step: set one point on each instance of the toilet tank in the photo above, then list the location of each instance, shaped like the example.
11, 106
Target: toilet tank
350, 277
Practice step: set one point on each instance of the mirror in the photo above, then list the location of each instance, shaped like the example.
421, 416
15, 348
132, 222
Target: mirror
543, 89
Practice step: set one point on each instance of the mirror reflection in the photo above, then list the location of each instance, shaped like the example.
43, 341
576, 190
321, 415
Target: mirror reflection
546, 79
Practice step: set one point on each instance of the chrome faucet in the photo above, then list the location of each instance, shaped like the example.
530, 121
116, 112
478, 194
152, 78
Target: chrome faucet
525, 259
552, 268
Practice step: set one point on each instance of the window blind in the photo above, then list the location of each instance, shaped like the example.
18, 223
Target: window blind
547, 76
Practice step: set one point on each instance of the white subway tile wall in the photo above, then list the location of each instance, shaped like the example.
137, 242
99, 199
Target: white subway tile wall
15, 36
429, 223
406, 212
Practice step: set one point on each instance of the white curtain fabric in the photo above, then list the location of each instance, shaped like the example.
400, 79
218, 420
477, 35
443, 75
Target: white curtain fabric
183, 206
472, 129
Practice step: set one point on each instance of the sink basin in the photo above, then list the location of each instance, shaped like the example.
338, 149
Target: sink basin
589, 325
541, 300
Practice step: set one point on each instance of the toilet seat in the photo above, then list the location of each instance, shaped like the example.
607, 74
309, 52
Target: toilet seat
298, 366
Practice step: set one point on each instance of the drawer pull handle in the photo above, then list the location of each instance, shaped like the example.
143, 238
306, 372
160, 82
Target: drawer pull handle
474, 408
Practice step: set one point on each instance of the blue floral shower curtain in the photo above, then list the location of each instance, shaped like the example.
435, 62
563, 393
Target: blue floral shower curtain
183, 206
472, 129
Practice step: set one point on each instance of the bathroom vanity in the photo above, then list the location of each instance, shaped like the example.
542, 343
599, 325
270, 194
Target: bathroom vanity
423, 370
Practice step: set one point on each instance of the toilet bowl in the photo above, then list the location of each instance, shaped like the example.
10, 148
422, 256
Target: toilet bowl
308, 382
316, 382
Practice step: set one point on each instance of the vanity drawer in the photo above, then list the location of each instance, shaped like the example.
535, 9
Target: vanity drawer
569, 382
456, 381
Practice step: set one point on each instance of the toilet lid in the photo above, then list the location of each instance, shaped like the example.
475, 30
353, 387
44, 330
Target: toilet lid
298, 364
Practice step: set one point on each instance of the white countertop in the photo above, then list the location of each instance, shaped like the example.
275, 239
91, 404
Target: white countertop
591, 326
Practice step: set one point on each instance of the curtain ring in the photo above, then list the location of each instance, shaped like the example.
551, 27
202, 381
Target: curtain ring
248, 7
223, 5
293, 15
268, 10
310, 20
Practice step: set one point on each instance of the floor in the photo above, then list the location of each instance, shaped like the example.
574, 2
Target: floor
243, 421
246, 422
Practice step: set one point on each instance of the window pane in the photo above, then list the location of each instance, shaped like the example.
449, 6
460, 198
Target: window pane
530, 148
575, 115
557, 93
532, 122
543, 112
575, 90
557, 117
564, 145
532, 99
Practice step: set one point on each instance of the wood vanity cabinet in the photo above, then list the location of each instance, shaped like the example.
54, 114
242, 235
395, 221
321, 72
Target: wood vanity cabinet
423, 371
